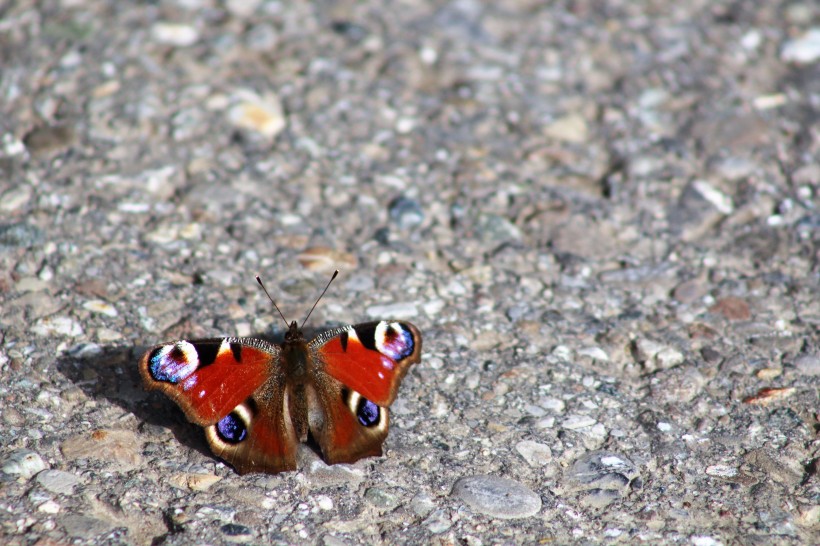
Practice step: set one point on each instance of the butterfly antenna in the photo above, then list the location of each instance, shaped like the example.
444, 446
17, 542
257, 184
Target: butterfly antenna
271, 300
320, 297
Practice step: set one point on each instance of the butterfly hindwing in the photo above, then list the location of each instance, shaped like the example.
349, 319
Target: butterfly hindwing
360, 368
258, 435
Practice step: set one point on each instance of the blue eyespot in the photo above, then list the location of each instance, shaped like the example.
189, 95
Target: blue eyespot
367, 412
231, 429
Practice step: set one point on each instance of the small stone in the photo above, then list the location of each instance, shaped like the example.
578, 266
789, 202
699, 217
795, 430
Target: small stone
321, 475
236, 533
23, 463
58, 481
15, 198
84, 527
570, 128
604, 476
802, 50
732, 308
767, 374
702, 540
721, 471
767, 396
175, 34
422, 504
324, 502
398, 310
49, 507
575, 422
261, 114
405, 212
101, 307
719, 200
20, 235
47, 140
120, 446
493, 228
193, 481
381, 498
438, 522
57, 326
655, 356
534, 453
807, 364
326, 259
497, 497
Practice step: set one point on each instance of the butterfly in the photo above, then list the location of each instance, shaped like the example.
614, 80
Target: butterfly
258, 400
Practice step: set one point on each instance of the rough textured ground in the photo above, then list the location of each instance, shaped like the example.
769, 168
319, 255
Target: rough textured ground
603, 216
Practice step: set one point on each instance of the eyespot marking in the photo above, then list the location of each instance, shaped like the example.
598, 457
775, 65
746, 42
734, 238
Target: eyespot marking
173, 363
395, 340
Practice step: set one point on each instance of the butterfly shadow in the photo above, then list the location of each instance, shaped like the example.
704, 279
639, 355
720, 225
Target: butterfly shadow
111, 373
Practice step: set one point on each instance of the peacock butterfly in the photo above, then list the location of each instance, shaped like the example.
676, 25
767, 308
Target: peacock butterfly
257, 400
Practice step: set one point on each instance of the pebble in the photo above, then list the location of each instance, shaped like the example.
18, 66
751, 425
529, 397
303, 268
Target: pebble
261, 114
85, 527
49, 139
603, 477
493, 228
23, 463
175, 34
57, 326
807, 364
120, 446
49, 507
101, 307
438, 522
193, 481
58, 481
324, 259
536, 454
20, 234
732, 308
497, 497
575, 422
422, 504
381, 498
653, 355
321, 475
398, 310
405, 212
570, 128
802, 50
236, 533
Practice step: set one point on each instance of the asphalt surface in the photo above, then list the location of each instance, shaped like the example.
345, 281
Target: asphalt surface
602, 216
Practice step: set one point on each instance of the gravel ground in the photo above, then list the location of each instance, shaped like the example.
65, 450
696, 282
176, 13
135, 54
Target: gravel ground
603, 216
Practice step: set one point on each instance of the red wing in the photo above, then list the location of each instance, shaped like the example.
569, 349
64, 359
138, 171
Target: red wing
208, 378
258, 435
369, 358
351, 426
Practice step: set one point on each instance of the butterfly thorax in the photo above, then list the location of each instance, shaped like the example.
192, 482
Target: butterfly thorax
295, 355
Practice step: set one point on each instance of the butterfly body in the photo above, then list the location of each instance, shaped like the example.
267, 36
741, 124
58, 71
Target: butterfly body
257, 400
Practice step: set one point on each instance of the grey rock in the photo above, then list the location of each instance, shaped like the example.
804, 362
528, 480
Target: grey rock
84, 527
497, 497
58, 481
381, 498
602, 477
405, 212
20, 234
807, 364
23, 463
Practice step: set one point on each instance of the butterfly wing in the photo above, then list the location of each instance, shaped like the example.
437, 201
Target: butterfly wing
358, 372
234, 388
